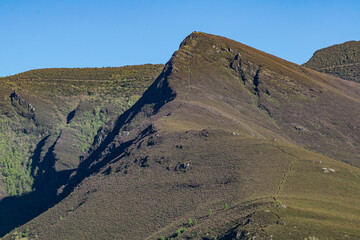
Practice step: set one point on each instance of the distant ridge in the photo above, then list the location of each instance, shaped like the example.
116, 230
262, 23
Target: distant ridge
101, 73
340, 60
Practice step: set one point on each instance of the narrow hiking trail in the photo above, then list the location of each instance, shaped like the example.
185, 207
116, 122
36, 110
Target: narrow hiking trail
283, 179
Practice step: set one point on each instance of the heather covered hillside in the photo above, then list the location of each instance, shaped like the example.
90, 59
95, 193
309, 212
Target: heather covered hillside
228, 142
50, 117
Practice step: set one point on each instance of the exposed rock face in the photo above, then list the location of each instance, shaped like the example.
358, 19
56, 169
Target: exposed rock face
15, 97
341, 60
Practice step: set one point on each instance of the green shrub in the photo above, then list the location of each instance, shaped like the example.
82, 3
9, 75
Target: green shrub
175, 234
210, 212
178, 232
15, 165
26, 233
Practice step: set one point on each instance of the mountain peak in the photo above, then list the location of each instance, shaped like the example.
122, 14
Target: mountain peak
223, 125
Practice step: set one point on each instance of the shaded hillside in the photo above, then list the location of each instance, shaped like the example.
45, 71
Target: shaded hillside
216, 149
341, 60
62, 106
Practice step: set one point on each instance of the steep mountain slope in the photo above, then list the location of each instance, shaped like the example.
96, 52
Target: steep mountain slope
341, 60
66, 106
48, 120
220, 137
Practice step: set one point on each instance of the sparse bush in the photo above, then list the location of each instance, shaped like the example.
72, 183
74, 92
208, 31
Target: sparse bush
178, 232
210, 212
226, 206
190, 221
26, 233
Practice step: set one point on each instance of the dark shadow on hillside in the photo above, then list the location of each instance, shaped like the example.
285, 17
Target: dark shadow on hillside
46, 174
70, 116
36, 158
16, 211
157, 95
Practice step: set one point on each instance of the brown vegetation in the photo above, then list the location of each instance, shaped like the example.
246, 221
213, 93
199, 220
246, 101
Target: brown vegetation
223, 123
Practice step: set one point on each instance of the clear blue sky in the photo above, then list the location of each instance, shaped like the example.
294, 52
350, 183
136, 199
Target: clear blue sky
88, 33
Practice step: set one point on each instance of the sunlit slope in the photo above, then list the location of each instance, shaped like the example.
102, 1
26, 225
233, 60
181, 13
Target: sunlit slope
247, 144
282, 189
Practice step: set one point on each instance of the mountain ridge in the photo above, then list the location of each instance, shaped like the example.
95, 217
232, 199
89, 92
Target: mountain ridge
340, 60
222, 124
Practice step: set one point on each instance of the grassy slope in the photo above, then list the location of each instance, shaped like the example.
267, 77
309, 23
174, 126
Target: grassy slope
241, 119
95, 95
341, 60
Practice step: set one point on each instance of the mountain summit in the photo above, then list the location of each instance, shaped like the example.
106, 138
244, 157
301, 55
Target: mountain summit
228, 143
